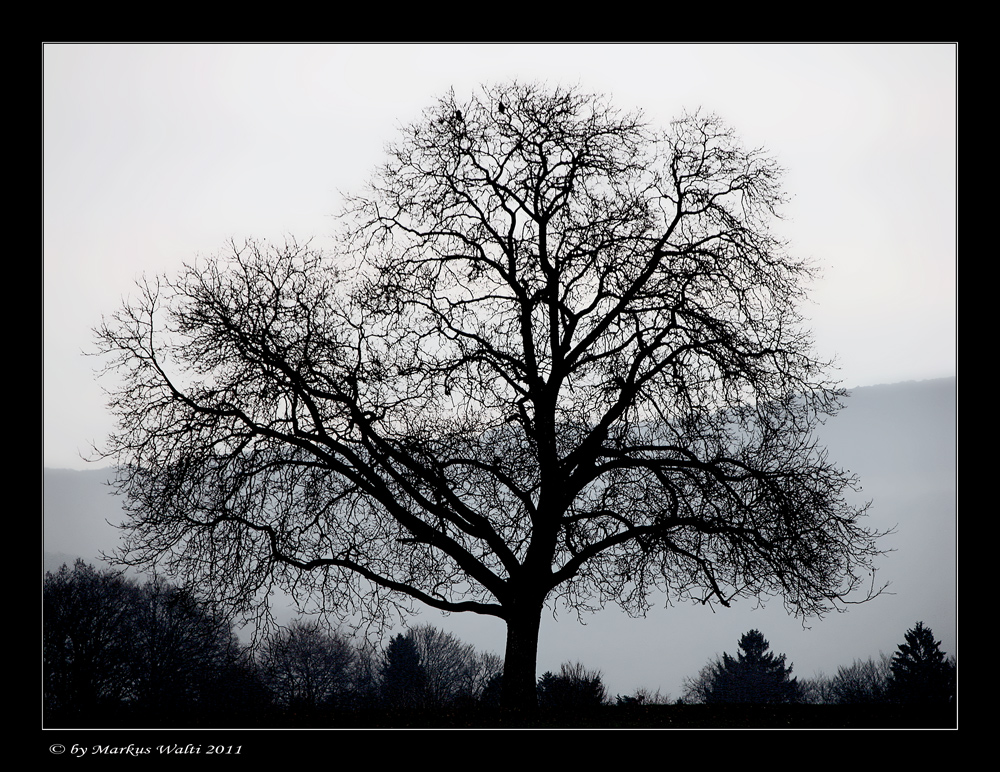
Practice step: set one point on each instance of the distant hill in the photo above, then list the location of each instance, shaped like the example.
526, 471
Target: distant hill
897, 431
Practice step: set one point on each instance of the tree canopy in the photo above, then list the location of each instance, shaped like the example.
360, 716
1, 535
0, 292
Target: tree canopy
556, 357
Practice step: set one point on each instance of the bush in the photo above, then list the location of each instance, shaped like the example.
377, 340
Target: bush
574, 687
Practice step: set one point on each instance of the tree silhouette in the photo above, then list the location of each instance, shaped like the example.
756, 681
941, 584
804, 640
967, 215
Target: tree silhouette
184, 651
307, 667
111, 642
919, 672
404, 679
574, 688
455, 672
754, 676
89, 621
557, 358
863, 682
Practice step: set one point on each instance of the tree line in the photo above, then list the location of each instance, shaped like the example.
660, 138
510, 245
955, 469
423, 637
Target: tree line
149, 648
917, 674
113, 643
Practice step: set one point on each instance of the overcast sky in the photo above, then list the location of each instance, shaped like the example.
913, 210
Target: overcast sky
155, 154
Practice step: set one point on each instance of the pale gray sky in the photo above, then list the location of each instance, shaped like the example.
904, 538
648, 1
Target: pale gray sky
155, 154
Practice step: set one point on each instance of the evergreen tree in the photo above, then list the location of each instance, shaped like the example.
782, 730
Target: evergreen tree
920, 674
754, 675
404, 680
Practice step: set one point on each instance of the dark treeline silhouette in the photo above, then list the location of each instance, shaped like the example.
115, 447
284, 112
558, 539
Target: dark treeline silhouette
116, 648
120, 651
917, 675
113, 643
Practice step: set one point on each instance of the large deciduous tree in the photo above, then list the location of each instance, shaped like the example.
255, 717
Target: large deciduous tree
556, 358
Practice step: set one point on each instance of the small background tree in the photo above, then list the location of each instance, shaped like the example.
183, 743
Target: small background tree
920, 674
862, 683
404, 679
307, 666
455, 672
754, 675
574, 688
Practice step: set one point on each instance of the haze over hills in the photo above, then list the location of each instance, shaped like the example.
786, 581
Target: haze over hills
900, 439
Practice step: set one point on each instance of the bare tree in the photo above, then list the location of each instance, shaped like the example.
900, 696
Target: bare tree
558, 358
863, 682
456, 672
90, 620
111, 642
308, 667
185, 651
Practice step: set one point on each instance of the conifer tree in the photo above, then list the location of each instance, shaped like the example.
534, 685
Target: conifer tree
920, 674
404, 680
754, 675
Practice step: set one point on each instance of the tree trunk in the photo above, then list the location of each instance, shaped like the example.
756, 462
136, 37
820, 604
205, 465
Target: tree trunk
520, 658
